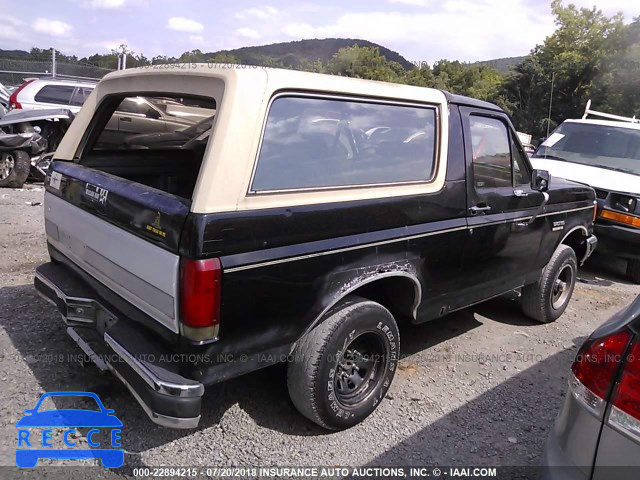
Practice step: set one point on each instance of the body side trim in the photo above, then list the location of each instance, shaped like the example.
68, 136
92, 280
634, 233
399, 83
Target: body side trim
236, 263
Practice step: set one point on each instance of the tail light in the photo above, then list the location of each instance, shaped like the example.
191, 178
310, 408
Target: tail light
200, 292
625, 410
13, 99
594, 370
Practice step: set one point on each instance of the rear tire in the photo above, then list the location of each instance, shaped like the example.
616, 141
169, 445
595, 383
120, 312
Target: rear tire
342, 369
633, 270
14, 168
548, 298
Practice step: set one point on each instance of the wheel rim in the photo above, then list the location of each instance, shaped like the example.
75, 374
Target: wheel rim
7, 162
562, 287
360, 368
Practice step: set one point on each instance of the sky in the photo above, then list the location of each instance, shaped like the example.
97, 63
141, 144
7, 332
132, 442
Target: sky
420, 30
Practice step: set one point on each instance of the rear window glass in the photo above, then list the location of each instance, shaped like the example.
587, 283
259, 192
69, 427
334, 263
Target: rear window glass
148, 123
58, 94
157, 141
318, 143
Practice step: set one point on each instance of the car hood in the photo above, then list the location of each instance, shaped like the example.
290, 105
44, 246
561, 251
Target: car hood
69, 418
597, 177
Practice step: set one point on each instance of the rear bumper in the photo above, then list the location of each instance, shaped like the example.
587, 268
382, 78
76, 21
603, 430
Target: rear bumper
168, 398
618, 241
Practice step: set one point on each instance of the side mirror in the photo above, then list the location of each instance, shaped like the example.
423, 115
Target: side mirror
151, 113
540, 180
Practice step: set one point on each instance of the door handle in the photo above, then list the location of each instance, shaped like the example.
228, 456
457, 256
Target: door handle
480, 209
520, 193
125, 119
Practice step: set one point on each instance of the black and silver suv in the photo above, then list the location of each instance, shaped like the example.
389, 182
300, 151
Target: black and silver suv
311, 216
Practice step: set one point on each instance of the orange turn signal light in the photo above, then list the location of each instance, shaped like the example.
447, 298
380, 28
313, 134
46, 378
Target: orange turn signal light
620, 217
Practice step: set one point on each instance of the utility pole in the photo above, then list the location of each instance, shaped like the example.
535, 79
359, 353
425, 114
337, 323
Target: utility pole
122, 51
553, 77
53, 63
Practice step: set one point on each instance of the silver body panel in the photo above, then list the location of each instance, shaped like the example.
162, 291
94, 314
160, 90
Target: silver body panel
572, 443
615, 450
143, 274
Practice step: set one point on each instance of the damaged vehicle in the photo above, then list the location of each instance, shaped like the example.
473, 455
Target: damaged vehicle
28, 140
287, 231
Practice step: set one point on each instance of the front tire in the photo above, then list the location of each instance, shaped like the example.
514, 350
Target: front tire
633, 270
548, 298
342, 369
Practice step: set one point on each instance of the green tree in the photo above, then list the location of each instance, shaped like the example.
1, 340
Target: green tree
363, 62
573, 57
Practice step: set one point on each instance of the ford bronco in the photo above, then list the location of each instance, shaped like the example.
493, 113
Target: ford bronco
307, 218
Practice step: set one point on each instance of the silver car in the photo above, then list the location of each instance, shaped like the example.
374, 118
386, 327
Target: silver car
597, 433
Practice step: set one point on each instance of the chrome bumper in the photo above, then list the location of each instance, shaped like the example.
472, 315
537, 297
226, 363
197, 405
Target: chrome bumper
592, 244
167, 398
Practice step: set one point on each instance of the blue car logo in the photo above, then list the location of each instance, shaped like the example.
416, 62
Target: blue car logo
31, 448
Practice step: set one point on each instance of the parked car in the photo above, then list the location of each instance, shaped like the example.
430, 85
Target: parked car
606, 155
294, 233
174, 139
50, 93
137, 116
598, 427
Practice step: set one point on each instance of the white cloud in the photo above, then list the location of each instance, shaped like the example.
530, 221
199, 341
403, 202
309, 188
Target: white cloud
263, 13
611, 7
196, 39
443, 33
182, 24
104, 4
417, 3
105, 45
54, 28
9, 32
248, 33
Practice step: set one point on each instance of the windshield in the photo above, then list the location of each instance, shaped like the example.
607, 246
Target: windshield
612, 147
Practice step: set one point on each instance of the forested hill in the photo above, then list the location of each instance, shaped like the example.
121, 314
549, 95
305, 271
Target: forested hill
293, 54
503, 65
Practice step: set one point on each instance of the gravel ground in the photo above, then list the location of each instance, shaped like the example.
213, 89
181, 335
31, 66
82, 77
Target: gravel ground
479, 387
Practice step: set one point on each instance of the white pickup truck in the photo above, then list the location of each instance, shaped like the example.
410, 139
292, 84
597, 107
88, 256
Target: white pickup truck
604, 153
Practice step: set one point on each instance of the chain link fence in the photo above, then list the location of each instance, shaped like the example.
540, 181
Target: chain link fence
14, 71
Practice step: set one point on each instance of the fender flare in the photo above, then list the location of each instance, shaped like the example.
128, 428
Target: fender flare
352, 288
577, 227
586, 236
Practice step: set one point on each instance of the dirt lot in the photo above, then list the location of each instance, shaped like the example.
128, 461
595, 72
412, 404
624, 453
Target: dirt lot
480, 387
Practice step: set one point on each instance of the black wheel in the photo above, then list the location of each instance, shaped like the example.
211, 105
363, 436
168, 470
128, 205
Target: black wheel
342, 369
14, 168
548, 298
633, 270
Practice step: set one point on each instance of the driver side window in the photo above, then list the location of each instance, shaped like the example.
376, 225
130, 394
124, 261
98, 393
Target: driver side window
497, 162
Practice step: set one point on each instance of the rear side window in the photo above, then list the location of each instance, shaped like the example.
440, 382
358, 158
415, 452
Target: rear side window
320, 143
59, 94
79, 96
